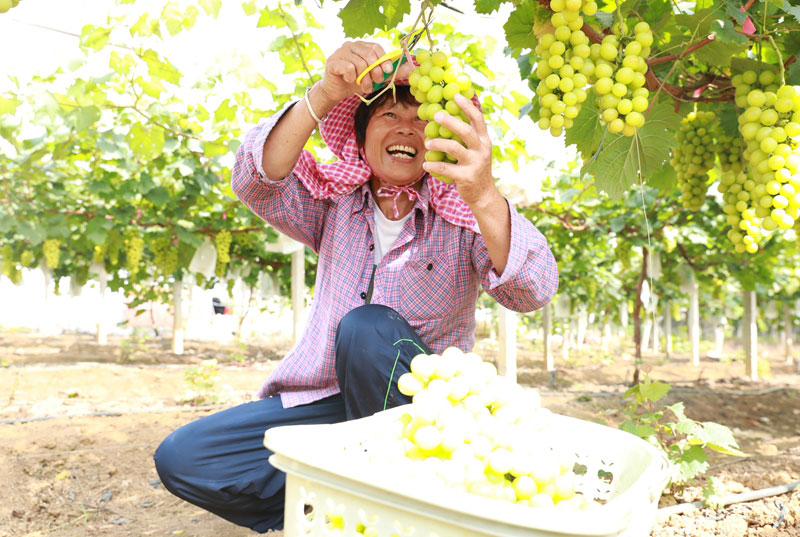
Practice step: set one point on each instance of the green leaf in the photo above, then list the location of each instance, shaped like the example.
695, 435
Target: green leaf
225, 112
159, 68
211, 7
85, 117
94, 37
621, 158
793, 74
586, 132
653, 391
172, 17
692, 462
275, 19
794, 11
733, 8
158, 196
487, 6
719, 53
153, 87
214, 149
8, 106
519, 27
665, 179
249, 8
142, 27
121, 63
146, 142
97, 229
394, 11
726, 32
190, 17
361, 17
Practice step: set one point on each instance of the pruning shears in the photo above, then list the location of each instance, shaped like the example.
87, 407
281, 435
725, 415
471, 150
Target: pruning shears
397, 57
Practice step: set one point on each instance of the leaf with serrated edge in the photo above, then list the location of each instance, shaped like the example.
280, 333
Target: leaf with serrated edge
621, 158
361, 17
587, 131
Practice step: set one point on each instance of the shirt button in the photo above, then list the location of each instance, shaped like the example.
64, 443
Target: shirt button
430, 266
363, 296
371, 247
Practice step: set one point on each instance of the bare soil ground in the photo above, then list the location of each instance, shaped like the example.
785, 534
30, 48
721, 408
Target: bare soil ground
79, 423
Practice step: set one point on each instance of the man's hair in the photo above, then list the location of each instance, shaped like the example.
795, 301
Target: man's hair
364, 113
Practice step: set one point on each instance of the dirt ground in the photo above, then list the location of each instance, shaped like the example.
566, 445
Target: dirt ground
79, 423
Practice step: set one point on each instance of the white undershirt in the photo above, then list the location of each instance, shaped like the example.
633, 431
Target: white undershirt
386, 232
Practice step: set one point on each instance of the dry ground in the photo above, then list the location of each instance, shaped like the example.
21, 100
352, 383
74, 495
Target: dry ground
81, 421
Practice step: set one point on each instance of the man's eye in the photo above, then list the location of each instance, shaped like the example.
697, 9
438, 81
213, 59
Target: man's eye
389, 114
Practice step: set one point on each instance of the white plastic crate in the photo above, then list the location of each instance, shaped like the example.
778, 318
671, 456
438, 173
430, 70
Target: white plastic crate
329, 468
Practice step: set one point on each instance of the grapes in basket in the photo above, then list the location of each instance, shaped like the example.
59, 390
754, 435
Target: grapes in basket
472, 430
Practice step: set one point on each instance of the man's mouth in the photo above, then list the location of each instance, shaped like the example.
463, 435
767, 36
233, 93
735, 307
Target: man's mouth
402, 151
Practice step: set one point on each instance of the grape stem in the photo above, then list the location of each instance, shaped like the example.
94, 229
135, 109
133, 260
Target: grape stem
666, 59
780, 59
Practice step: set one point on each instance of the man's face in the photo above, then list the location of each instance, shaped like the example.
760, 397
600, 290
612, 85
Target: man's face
394, 143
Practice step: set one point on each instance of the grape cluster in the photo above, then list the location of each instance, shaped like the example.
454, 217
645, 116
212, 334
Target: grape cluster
134, 245
222, 241
434, 84
99, 253
694, 156
770, 127
478, 432
565, 68
6, 5
729, 151
52, 253
27, 259
114, 243
620, 69
165, 255
7, 264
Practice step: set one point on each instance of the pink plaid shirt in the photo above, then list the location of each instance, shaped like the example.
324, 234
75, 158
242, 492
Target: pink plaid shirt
432, 274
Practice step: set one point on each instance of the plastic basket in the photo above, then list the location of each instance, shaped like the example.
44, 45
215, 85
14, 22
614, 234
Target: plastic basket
328, 467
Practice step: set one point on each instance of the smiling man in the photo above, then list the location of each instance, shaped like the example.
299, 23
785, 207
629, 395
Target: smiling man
402, 258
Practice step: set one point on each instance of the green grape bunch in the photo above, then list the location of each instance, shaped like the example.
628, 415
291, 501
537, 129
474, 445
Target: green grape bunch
620, 69
222, 242
565, 68
114, 243
6, 5
737, 190
134, 247
165, 255
770, 127
52, 253
729, 150
434, 84
693, 157
7, 263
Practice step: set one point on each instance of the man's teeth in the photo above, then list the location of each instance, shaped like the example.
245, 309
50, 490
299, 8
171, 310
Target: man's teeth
401, 151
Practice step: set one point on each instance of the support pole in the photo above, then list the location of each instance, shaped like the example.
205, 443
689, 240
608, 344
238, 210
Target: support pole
547, 332
750, 335
507, 336
694, 321
667, 329
787, 333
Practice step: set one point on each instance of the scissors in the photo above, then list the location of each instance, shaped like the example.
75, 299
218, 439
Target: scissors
396, 56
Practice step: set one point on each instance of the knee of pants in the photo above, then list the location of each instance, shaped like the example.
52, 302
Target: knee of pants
172, 458
356, 329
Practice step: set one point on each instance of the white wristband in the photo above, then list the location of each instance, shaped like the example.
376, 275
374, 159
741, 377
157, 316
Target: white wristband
311, 110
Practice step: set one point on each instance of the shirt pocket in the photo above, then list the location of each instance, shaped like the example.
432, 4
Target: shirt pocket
429, 289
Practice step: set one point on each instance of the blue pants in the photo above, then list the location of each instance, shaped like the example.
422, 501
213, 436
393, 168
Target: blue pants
219, 462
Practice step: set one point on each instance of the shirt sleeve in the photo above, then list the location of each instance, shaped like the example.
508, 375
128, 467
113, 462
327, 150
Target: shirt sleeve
286, 204
530, 278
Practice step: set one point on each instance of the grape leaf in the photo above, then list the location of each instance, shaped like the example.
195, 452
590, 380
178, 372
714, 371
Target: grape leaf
94, 38
147, 143
793, 74
519, 27
161, 68
172, 17
211, 7
621, 158
733, 8
225, 112
794, 11
587, 132
8, 107
666, 178
726, 32
361, 17
718, 53
487, 6
85, 117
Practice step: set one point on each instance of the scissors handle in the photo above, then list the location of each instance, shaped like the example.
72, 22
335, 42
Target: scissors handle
395, 55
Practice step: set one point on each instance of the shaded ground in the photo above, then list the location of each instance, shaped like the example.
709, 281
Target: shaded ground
86, 470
